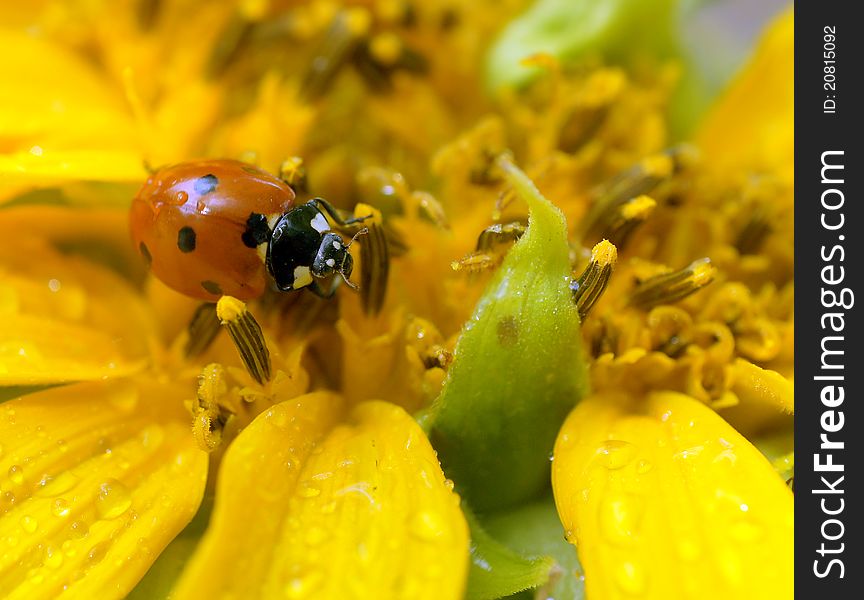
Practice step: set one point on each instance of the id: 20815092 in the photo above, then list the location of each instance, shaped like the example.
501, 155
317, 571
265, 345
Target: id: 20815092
829, 70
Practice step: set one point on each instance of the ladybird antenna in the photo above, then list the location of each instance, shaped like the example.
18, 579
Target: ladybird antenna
347, 281
363, 231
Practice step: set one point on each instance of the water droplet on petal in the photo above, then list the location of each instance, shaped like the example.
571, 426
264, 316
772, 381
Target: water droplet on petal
98, 552
620, 517
60, 508
113, 499
54, 486
448, 483
631, 578
643, 466
307, 490
427, 526
304, 585
616, 454
53, 558
29, 524
16, 474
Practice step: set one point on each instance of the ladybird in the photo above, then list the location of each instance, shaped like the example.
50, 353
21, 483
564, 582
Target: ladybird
222, 227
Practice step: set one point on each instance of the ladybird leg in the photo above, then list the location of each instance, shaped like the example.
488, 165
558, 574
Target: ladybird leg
335, 214
202, 330
324, 288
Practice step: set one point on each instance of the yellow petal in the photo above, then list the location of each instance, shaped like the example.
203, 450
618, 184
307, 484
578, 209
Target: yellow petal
664, 499
758, 108
60, 120
65, 319
755, 385
364, 512
96, 479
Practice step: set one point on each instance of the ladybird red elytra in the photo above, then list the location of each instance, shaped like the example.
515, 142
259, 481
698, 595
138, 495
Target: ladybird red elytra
222, 227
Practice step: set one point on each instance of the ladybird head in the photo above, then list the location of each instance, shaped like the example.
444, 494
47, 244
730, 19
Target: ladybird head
332, 257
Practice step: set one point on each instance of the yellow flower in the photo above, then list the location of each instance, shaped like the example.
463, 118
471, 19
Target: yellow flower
120, 424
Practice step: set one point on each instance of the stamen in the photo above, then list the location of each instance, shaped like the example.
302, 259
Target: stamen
490, 248
671, 287
340, 41
753, 233
475, 262
375, 261
247, 336
642, 178
592, 283
202, 329
209, 414
500, 233
627, 217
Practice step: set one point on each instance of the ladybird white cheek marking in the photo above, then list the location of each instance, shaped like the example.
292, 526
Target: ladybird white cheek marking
302, 277
337, 245
331, 262
320, 224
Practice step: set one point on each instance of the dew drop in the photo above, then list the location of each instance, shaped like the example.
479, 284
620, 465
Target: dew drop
11, 541
29, 524
448, 483
60, 508
98, 552
303, 586
181, 197
113, 499
69, 549
643, 466
49, 487
308, 491
620, 517
78, 530
16, 474
125, 399
616, 454
631, 578
427, 525
53, 558
322, 476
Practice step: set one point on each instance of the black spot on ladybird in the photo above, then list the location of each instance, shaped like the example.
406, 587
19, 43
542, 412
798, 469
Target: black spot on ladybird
145, 252
186, 239
257, 230
212, 287
206, 184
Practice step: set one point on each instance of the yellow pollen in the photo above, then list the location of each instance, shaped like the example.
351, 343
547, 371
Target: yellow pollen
230, 309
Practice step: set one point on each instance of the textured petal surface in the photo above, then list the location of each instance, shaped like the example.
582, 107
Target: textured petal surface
65, 319
364, 512
60, 120
96, 479
664, 499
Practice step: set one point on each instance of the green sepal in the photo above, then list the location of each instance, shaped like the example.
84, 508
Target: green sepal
573, 29
536, 530
518, 368
497, 571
